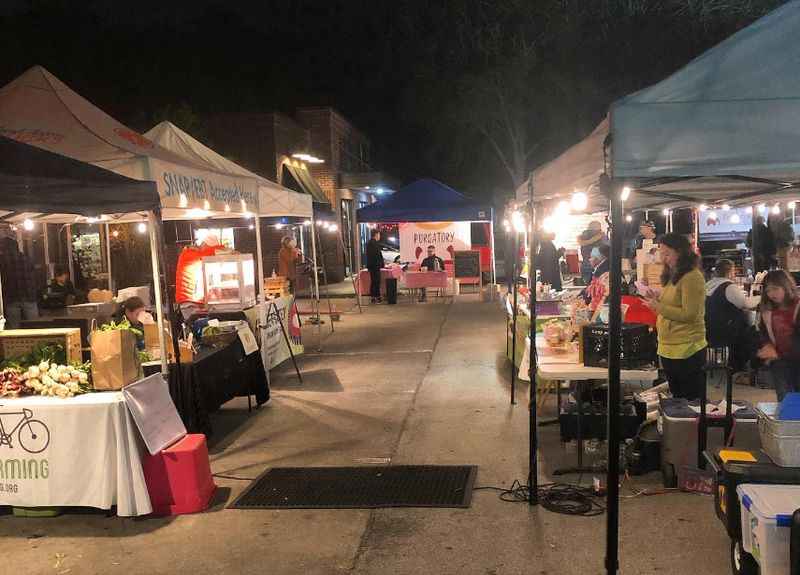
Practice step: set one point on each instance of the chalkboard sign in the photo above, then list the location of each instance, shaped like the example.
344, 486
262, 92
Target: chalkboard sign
467, 263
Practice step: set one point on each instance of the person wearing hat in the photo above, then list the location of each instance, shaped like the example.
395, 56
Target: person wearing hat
647, 231
592, 237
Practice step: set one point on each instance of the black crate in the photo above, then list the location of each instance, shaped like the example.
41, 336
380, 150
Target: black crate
638, 346
594, 421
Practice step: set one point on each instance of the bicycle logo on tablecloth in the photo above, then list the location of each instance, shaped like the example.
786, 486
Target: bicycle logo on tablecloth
32, 434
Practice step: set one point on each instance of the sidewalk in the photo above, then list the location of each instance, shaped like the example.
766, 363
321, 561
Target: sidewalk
412, 383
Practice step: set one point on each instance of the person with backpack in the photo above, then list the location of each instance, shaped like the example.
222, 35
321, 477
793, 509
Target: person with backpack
778, 326
727, 322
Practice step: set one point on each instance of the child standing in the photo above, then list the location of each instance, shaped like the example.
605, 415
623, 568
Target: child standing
780, 346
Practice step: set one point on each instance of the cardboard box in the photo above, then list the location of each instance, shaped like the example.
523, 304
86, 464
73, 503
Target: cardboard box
17, 342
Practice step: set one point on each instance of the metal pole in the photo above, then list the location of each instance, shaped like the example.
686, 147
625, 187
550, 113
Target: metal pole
533, 432
515, 274
260, 261
754, 233
108, 258
46, 242
491, 247
614, 337
70, 265
154, 259
315, 297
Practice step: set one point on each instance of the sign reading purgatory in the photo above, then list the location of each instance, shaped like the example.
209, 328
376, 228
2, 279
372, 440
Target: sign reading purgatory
446, 237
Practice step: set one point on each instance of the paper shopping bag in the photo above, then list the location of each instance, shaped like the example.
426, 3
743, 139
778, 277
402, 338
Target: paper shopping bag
115, 361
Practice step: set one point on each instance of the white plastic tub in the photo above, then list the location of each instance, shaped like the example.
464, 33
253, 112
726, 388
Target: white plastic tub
766, 521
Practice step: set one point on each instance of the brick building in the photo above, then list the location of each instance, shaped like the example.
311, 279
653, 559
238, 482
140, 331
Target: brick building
343, 181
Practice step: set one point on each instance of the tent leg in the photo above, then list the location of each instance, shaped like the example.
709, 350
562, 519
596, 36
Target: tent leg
261, 298
533, 432
614, 336
491, 247
108, 258
70, 264
315, 297
46, 244
155, 253
514, 275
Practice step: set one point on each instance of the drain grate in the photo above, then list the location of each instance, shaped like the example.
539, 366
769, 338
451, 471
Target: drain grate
360, 487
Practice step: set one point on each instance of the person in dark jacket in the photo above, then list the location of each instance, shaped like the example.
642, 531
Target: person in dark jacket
780, 330
547, 261
726, 314
764, 247
432, 263
374, 265
60, 292
18, 279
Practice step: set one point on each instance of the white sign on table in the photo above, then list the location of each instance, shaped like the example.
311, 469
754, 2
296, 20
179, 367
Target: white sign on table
155, 415
248, 339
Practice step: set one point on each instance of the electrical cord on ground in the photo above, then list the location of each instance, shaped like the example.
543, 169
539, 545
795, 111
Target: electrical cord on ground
562, 498
232, 477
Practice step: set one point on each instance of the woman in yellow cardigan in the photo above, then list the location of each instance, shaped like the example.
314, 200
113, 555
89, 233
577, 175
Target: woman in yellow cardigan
681, 317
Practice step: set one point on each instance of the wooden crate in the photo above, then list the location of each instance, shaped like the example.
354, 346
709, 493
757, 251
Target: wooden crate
16, 342
277, 286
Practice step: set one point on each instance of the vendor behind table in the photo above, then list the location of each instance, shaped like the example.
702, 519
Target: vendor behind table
60, 292
431, 263
131, 310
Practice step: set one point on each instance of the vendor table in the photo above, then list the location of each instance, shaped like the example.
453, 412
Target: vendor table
83, 451
364, 281
418, 280
216, 376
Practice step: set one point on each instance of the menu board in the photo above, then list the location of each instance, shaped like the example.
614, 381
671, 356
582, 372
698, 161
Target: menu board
467, 264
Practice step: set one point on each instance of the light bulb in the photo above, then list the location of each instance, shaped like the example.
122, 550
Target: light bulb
791, 205
115, 233
227, 208
518, 222
749, 209
549, 224
579, 201
563, 208
703, 207
712, 215
776, 209
629, 218
28, 224
762, 207
251, 227
735, 219
333, 228
725, 207
206, 205
307, 223
665, 211
183, 202
626, 193
141, 227
278, 226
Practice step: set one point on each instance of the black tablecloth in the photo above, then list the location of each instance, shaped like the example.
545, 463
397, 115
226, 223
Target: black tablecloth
216, 376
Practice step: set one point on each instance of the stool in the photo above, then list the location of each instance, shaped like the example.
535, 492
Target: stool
179, 477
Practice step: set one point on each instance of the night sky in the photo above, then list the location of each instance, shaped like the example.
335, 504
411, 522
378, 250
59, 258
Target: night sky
471, 92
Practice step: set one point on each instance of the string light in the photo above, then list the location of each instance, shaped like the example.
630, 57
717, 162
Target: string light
665, 211
278, 226
308, 223
776, 209
251, 227
27, 224
333, 228
115, 233
629, 218
735, 219
141, 227
703, 207
579, 201
227, 208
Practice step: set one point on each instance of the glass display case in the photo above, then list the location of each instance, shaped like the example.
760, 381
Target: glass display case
229, 282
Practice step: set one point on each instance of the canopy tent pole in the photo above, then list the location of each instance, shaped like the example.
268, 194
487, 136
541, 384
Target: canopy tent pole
533, 432
491, 247
155, 252
514, 275
613, 191
315, 295
259, 261
70, 264
46, 246
108, 258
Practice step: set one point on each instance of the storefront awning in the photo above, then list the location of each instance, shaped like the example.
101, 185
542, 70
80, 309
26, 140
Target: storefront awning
306, 182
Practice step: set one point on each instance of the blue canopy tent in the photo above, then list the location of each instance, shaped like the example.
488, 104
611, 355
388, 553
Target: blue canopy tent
429, 200
425, 200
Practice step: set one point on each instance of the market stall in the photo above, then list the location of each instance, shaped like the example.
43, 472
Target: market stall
721, 132
47, 413
429, 213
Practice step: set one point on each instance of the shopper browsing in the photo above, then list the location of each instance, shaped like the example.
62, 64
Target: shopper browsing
680, 306
779, 332
726, 314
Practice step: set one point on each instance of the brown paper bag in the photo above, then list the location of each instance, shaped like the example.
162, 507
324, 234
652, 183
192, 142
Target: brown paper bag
115, 362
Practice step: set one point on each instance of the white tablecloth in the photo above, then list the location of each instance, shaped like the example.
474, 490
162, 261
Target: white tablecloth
565, 367
84, 451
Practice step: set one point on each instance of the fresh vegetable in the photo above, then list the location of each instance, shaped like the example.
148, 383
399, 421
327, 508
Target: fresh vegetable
122, 325
57, 380
12, 384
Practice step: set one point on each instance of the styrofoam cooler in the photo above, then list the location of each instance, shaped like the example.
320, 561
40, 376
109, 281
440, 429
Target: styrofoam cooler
766, 524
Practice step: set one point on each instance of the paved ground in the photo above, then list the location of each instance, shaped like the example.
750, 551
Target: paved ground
421, 383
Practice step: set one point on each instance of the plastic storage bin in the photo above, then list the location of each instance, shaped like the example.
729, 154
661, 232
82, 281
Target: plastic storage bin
780, 439
766, 524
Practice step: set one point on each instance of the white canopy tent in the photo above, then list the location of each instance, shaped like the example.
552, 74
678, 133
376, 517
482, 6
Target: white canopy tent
725, 129
40, 110
273, 199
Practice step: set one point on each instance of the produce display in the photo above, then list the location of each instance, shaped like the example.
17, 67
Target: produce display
43, 372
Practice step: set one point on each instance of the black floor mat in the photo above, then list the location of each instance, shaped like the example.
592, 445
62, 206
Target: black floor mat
360, 487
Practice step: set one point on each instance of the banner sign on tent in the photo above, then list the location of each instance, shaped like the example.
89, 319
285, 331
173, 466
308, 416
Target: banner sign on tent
184, 187
447, 237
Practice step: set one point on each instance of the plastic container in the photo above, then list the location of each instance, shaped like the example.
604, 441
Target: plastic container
779, 439
766, 524
789, 408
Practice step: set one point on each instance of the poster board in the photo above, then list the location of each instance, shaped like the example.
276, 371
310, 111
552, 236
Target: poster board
446, 237
151, 406
273, 345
